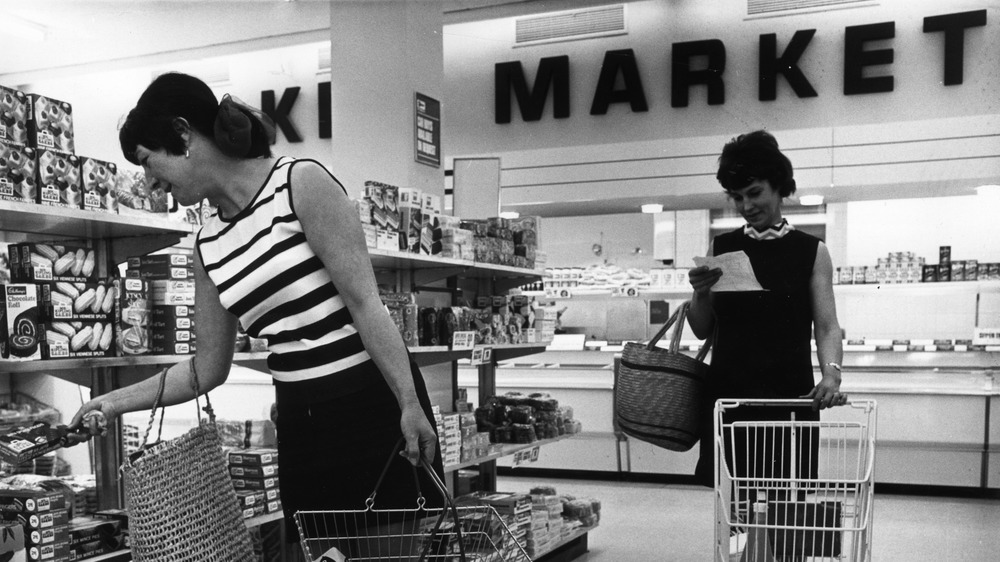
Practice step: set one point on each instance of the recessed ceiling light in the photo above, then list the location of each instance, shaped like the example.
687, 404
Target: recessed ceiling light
652, 208
811, 200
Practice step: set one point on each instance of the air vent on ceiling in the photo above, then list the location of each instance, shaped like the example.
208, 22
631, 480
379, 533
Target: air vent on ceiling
570, 25
786, 7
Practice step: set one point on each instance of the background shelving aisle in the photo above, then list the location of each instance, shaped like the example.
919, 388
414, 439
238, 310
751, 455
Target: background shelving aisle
643, 522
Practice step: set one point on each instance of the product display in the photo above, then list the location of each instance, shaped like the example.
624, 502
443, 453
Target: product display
18, 176
97, 181
13, 116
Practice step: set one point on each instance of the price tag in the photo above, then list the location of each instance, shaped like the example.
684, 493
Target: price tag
986, 336
526, 456
482, 355
463, 340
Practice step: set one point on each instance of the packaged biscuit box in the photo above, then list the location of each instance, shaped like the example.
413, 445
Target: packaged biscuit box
133, 317
55, 261
72, 339
58, 176
21, 314
66, 301
50, 124
97, 182
18, 178
13, 116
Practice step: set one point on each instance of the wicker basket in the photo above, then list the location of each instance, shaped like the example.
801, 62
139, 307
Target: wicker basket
181, 501
659, 392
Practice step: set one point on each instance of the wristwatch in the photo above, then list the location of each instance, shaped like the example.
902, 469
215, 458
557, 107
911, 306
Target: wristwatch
834, 365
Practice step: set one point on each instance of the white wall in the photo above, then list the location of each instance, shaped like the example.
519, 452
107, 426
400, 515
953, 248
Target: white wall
969, 225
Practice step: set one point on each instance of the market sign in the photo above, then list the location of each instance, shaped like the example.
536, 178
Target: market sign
702, 64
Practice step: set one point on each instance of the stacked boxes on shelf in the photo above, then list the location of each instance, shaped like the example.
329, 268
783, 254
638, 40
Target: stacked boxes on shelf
38, 160
475, 443
171, 295
409, 220
255, 477
56, 307
449, 436
92, 536
546, 521
44, 517
907, 267
513, 508
494, 319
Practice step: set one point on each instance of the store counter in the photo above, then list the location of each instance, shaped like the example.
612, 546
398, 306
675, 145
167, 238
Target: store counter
938, 414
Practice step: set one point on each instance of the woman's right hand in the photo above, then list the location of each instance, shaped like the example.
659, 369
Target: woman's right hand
702, 279
92, 419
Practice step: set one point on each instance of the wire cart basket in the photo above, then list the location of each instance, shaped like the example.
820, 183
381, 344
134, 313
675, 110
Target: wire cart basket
453, 533
789, 489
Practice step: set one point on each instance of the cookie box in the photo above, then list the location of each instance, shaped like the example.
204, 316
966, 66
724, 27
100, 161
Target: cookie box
21, 314
97, 182
62, 300
71, 339
13, 116
58, 176
18, 177
55, 262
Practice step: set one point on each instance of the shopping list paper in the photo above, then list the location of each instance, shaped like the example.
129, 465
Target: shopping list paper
737, 273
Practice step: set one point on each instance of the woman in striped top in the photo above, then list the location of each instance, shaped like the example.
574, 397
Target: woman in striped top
284, 256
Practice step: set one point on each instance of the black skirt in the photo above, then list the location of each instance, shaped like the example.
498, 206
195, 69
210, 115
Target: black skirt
335, 436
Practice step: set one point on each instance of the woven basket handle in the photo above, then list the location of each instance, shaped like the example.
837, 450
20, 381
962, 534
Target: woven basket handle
159, 397
679, 317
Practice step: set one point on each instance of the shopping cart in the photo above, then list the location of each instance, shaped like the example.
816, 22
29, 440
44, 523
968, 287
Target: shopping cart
454, 533
788, 489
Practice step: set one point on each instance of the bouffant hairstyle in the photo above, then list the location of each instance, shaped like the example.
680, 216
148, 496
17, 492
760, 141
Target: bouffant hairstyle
152, 122
755, 156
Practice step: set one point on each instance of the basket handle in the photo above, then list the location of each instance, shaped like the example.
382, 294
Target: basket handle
679, 317
159, 397
449, 501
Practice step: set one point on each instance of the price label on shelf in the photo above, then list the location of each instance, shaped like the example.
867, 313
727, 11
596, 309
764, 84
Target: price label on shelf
526, 456
482, 355
463, 340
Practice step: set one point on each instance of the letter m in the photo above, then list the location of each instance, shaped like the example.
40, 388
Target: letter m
552, 71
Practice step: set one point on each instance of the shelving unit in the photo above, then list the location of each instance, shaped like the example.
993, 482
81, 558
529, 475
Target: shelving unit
117, 237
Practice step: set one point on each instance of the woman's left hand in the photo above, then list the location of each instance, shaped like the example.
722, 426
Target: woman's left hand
826, 394
420, 437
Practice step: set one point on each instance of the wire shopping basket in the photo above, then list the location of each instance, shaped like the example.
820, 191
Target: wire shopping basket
793, 489
453, 533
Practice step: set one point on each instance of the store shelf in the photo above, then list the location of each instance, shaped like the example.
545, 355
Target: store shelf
262, 519
508, 449
575, 536
427, 269
31, 218
116, 556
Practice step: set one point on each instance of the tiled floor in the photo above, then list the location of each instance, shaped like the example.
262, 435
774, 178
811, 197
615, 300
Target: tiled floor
666, 523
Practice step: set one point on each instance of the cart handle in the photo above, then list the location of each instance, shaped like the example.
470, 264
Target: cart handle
728, 403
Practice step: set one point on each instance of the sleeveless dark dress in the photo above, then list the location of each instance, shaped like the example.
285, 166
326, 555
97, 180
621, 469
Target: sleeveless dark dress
762, 346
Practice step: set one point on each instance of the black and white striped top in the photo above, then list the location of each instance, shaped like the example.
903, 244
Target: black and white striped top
268, 276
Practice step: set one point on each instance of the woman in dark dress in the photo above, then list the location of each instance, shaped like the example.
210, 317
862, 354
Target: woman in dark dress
762, 345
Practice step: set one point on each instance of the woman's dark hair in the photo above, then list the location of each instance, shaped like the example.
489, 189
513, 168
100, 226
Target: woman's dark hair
755, 156
152, 122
